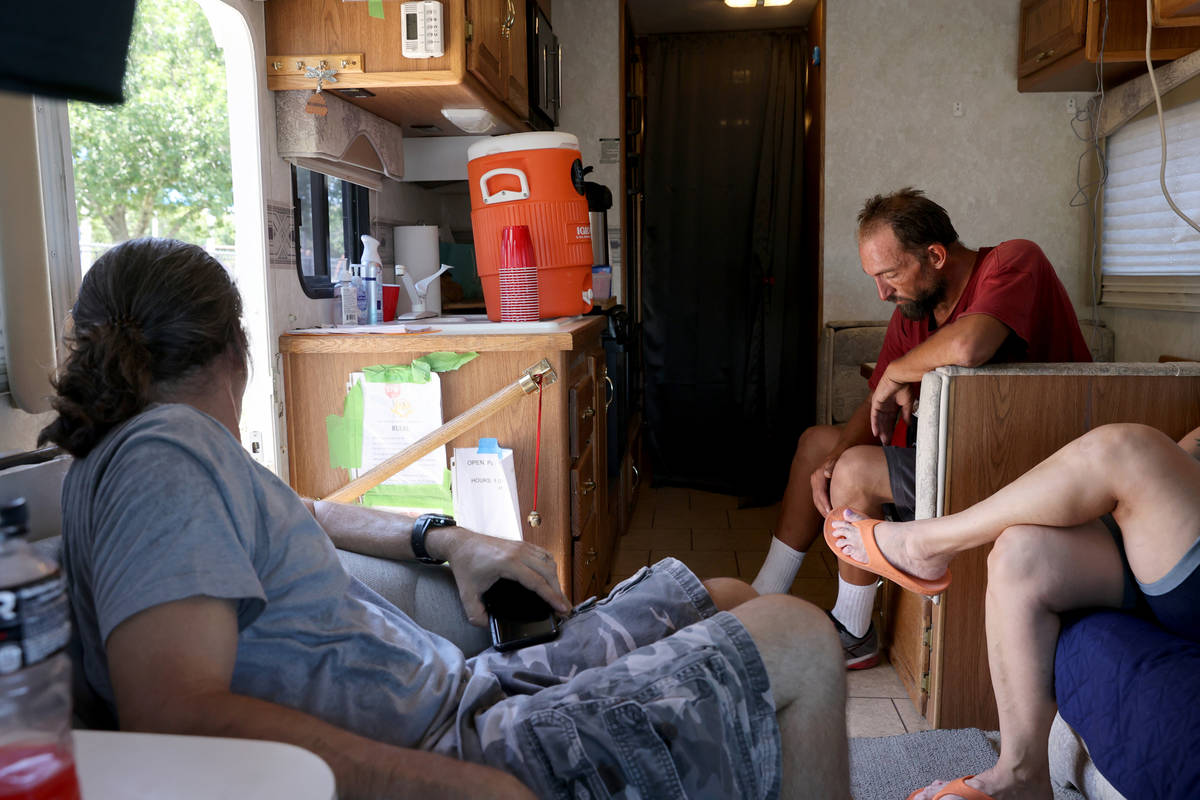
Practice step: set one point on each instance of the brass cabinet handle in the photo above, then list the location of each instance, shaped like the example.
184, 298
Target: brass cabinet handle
1042, 56
612, 389
590, 556
588, 487
588, 413
510, 19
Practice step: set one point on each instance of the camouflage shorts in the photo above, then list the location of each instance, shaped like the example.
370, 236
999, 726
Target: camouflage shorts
648, 693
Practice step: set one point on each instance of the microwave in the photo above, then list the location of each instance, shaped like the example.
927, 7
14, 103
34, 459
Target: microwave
545, 76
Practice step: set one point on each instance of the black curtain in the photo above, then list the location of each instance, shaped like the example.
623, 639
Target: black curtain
728, 300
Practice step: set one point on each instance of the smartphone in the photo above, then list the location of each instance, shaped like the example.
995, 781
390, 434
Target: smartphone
518, 616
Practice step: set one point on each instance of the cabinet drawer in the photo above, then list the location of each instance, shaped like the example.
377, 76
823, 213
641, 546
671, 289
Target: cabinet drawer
583, 492
582, 412
585, 575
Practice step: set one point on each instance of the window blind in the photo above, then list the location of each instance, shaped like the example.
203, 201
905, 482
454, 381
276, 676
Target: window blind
1142, 236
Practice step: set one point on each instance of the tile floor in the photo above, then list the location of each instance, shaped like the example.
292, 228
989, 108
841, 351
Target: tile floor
710, 534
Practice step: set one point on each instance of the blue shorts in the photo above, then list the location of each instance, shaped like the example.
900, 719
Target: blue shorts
1173, 601
648, 693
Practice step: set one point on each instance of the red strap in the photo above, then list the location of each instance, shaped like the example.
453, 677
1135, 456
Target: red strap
537, 453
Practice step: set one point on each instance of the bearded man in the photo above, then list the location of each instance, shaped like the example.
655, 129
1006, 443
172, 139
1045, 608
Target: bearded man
954, 306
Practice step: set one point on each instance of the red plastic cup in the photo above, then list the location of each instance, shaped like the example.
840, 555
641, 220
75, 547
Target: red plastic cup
518, 276
391, 295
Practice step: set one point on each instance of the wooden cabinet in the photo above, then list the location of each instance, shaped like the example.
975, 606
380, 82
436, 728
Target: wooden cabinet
1050, 30
592, 534
485, 64
1059, 43
996, 427
1172, 13
497, 50
572, 481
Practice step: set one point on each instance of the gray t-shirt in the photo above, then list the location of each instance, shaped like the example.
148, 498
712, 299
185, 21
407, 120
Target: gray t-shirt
170, 506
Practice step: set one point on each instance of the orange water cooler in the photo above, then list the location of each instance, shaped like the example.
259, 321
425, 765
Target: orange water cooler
533, 179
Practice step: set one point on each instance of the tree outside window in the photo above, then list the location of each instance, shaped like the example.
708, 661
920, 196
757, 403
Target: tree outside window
159, 164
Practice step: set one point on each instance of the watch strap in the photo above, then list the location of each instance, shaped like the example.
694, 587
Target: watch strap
420, 528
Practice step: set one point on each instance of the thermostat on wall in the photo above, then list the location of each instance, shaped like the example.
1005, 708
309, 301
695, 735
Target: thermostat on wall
422, 29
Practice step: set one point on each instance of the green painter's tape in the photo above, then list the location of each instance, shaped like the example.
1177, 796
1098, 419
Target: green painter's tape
375, 8
345, 432
420, 368
432, 496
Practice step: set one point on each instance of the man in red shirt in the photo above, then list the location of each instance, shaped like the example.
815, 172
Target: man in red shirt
954, 306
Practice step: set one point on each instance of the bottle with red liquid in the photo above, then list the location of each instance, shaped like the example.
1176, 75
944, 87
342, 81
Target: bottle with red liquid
36, 762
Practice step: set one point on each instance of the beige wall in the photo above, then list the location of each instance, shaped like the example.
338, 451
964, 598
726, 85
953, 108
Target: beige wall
589, 33
1005, 169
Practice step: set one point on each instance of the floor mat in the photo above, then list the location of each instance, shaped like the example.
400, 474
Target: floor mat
891, 767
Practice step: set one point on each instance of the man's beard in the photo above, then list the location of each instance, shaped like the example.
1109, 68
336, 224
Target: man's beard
925, 302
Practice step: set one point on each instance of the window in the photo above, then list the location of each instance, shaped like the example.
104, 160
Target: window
331, 215
1150, 258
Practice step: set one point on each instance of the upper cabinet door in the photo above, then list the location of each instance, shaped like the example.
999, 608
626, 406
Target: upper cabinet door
517, 65
487, 48
1050, 29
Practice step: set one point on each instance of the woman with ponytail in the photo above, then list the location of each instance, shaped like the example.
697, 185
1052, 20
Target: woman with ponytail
209, 598
153, 320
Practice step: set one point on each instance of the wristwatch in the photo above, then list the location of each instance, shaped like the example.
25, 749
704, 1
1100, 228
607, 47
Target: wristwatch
421, 526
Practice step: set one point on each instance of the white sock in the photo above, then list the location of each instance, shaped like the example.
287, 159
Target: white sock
779, 570
854, 606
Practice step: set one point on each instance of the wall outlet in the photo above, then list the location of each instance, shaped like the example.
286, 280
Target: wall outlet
256, 446
957, 108
1071, 106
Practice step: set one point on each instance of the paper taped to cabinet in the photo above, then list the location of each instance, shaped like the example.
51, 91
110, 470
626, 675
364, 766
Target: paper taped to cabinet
485, 490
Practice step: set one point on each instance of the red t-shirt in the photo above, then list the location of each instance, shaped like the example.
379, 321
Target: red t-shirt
1015, 283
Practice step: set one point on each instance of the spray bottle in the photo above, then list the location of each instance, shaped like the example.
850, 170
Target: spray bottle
372, 273
347, 294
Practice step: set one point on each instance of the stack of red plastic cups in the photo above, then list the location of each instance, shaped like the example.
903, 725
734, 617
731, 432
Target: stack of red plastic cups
518, 276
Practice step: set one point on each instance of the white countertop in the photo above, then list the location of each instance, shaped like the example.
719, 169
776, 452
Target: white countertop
452, 326
151, 766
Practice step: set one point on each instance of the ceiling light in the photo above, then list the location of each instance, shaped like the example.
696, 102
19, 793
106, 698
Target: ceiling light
753, 3
777, 2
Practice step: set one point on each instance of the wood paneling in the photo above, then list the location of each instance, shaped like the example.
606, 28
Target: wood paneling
998, 428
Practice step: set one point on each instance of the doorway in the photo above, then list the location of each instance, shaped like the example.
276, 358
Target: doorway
729, 287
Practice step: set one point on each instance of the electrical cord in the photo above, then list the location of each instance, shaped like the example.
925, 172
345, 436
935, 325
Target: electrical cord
1162, 128
1091, 114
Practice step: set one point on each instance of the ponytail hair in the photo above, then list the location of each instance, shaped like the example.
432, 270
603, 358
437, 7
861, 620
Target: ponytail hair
150, 313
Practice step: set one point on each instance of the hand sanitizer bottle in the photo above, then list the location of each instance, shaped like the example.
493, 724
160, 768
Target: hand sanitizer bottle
347, 294
372, 269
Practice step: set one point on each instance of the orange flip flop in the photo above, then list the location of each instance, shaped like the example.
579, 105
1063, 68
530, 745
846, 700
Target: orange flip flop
958, 787
876, 561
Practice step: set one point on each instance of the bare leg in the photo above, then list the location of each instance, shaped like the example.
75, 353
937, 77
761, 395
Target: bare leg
799, 521
804, 662
860, 481
1033, 574
729, 593
1151, 486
